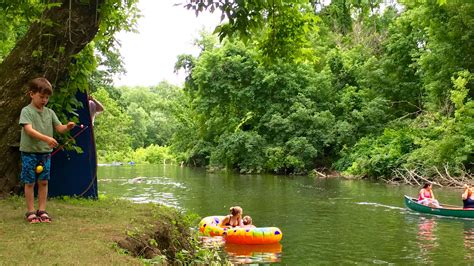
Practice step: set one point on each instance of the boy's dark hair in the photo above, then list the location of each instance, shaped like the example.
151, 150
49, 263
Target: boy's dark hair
40, 85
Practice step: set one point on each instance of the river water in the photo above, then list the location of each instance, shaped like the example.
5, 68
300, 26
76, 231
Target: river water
324, 221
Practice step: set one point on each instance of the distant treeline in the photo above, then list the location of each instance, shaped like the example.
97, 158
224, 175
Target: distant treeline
370, 92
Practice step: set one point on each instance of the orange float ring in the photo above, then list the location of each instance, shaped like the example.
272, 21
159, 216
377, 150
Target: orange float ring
209, 226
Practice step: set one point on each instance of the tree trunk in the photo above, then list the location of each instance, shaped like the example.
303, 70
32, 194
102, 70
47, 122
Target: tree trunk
46, 51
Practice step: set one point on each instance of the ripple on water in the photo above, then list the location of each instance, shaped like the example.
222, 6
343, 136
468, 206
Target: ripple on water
164, 198
154, 189
380, 205
330, 222
153, 180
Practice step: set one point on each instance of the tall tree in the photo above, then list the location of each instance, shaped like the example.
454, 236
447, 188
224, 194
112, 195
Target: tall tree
45, 50
63, 29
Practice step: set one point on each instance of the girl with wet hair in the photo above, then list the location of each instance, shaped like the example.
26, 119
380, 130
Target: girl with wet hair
234, 219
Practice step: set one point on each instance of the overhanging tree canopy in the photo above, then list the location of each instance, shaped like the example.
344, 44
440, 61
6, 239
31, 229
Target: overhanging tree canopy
52, 42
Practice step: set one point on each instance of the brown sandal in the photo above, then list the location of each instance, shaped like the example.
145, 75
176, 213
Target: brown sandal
32, 218
43, 216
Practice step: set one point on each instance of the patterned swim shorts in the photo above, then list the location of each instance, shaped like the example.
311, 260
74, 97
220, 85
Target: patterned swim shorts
29, 163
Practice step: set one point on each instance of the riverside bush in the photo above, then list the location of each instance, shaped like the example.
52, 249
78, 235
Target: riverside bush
152, 154
431, 143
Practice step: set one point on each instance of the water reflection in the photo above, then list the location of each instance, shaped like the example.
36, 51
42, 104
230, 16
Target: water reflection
426, 237
469, 239
241, 254
313, 214
244, 254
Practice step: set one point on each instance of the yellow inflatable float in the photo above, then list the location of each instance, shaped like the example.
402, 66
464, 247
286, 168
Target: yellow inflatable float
209, 226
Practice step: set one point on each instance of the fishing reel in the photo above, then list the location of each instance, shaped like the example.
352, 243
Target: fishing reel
39, 168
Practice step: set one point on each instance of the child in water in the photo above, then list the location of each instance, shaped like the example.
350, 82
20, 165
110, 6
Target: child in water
234, 219
247, 220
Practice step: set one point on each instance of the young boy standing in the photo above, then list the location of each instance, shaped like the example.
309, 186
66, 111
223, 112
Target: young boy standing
36, 144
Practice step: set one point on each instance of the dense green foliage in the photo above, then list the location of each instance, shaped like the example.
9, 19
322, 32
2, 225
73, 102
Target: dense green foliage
138, 123
115, 16
377, 90
83, 72
14, 23
364, 87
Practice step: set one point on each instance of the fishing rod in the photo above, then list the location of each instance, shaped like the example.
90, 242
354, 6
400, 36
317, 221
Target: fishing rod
39, 167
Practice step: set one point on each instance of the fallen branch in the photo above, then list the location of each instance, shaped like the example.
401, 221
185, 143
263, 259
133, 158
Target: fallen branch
425, 179
320, 174
441, 179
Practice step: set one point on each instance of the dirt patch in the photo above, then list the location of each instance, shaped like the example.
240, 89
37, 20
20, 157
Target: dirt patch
167, 234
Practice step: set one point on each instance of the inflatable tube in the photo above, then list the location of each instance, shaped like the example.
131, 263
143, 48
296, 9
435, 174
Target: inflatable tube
209, 226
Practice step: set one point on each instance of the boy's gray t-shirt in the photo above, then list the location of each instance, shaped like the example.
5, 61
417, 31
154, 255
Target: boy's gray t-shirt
42, 121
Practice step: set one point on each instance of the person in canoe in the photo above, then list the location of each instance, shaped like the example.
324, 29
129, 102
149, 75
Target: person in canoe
426, 196
234, 219
468, 197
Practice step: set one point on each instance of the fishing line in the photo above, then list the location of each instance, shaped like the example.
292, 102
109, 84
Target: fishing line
39, 166
93, 169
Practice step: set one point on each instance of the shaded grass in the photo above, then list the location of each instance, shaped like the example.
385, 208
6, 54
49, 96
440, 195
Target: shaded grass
82, 232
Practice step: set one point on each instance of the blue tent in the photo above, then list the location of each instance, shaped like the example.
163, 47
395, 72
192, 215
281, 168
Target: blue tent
72, 173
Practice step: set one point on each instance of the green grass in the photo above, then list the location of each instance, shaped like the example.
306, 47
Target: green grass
82, 232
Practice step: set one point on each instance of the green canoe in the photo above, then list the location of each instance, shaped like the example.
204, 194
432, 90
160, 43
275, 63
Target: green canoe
445, 210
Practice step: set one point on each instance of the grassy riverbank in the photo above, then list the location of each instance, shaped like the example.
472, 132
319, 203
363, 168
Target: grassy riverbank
83, 232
